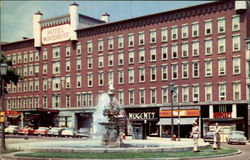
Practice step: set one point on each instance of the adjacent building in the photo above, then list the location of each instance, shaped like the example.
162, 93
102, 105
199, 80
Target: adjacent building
204, 50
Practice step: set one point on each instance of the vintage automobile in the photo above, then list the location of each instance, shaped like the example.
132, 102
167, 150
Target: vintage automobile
42, 131
55, 131
26, 131
209, 137
236, 137
68, 132
11, 129
82, 132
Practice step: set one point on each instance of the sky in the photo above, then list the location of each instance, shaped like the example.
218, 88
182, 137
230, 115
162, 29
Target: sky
16, 16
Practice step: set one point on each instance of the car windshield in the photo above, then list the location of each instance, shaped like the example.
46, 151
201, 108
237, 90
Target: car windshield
69, 129
42, 128
55, 129
238, 133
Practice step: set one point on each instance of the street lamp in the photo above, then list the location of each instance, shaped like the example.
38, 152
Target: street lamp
171, 87
3, 72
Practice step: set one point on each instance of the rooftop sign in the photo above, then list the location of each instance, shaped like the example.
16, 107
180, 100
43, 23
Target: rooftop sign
56, 34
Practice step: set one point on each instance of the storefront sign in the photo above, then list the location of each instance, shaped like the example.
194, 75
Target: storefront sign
1, 117
223, 115
56, 34
12, 114
142, 116
183, 113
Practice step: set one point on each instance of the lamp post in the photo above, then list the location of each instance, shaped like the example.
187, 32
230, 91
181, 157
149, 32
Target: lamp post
3, 72
171, 87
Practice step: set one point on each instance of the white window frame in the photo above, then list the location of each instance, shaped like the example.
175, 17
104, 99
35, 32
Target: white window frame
131, 40
174, 32
131, 75
153, 36
236, 65
195, 69
208, 68
174, 69
184, 49
208, 27
153, 95
236, 22
221, 25
164, 34
236, 43
164, 52
208, 46
153, 73
164, 72
195, 29
153, 54
185, 93
208, 92
222, 67
184, 68
184, 31
141, 38
89, 46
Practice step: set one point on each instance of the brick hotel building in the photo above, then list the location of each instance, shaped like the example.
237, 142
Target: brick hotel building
204, 50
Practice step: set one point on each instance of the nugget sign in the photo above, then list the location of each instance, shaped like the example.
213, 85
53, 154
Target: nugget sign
56, 34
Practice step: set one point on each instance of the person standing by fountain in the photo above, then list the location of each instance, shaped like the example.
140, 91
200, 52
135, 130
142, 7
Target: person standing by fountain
195, 134
216, 144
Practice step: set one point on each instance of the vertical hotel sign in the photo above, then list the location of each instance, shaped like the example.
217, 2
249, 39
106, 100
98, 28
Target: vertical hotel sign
56, 34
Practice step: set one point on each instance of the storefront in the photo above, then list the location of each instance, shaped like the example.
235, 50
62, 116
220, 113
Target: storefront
84, 120
142, 122
183, 116
13, 117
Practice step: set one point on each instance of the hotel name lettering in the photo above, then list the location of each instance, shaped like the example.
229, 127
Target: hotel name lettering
142, 116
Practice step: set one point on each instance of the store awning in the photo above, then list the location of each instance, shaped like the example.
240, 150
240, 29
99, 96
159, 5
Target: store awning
183, 121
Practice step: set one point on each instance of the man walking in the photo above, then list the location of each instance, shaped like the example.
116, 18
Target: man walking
195, 134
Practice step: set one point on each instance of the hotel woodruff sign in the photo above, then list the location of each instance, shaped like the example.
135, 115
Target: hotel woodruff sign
56, 34
183, 113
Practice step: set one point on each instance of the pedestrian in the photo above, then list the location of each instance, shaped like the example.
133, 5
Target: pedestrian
217, 132
195, 134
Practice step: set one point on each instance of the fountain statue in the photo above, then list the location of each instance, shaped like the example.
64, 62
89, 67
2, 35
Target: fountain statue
115, 122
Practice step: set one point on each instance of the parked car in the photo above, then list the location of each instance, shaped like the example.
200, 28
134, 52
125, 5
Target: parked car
42, 131
237, 137
209, 137
82, 132
55, 131
11, 129
26, 130
69, 132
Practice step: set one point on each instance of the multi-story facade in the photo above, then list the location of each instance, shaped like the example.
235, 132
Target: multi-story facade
203, 50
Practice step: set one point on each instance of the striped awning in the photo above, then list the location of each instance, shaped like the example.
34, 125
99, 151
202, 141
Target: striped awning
183, 121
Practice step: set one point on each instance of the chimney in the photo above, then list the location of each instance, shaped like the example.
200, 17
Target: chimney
37, 28
74, 20
105, 17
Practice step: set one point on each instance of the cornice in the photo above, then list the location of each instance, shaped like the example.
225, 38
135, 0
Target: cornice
17, 45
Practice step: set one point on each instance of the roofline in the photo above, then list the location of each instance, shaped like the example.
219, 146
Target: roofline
24, 40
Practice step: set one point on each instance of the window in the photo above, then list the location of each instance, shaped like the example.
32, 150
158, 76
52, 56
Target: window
36, 85
100, 78
25, 57
30, 57
131, 40
30, 102
78, 48
19, 87
31, 70
120, 41
30, 85
174, 71
19, 58
25, 86
68, 66
120, 58
142, 96
208, 46
90, 79
120, 76
45, 68
78, 100
100, 45
111, 76
185, 94
110, 43
164, 95
175, 95
196, 93
142, 74
184, 49
13, 59
67, 98
236, 43
36, 55
208, 68
153, 95
131, 76
153, 36
237, 90
90, 99
208, 92
195, 69
68, 83
78, 64
174, 51
236, 23
68, 51
121, 97
164, 52
90, 62
45, 54
221, 45
164, 34
25, 71
222, 91
208, 27
55, 101
19, 103
36, 99
195, 48
78, 81
131, 96
111, 59
184, 70
152, 54
152, 73
195, 29
131, 57
222, 67
184, 31
221, 25
100, 61
56, 52
164, 71
90, 46
141, 56
56, 67
174, 32
141, 38
236, 65
56, 84
84, 100
36, 66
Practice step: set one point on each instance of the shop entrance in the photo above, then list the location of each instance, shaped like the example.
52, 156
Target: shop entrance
84, 120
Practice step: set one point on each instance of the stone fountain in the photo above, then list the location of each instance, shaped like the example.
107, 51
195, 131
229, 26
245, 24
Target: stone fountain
115, 122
